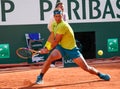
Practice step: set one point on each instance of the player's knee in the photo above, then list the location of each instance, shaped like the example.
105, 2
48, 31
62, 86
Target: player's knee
51, 58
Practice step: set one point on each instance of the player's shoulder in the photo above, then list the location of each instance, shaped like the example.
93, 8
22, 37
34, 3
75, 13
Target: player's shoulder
65, 23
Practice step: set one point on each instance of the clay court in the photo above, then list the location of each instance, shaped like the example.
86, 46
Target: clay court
62, 78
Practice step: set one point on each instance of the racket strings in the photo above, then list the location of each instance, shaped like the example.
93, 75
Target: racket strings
25, 53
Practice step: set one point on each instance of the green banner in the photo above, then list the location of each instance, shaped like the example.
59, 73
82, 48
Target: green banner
4, 51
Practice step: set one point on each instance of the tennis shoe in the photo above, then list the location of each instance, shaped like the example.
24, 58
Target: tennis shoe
39, 80
105, 77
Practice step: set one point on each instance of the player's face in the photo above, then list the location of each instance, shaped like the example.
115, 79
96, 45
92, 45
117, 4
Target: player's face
58, 18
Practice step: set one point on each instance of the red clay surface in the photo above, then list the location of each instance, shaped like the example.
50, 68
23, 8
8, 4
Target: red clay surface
61, 78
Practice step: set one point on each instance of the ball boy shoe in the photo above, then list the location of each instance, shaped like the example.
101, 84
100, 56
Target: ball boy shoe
105, 77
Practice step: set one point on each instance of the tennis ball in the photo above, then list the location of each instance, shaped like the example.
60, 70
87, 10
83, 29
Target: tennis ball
100, 52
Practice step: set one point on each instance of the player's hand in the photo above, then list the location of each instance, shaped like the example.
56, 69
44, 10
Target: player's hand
44, 51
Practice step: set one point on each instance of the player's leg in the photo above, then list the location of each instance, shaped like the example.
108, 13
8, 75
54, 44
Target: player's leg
55, 55
80, 61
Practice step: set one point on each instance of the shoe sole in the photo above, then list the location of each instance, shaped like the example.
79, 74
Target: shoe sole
41, 82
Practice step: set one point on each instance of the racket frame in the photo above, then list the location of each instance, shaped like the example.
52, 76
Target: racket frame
31, 50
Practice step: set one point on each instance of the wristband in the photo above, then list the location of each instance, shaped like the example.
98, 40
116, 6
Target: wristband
48, 45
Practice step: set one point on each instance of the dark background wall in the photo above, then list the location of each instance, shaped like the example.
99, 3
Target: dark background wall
103, 32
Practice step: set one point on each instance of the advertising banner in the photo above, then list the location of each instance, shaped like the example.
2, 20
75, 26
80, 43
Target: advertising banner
20, 12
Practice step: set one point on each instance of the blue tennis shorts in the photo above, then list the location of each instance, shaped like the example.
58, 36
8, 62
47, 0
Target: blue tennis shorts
74, 53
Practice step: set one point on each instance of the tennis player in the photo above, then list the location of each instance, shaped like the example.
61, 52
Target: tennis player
59, 5
64, 44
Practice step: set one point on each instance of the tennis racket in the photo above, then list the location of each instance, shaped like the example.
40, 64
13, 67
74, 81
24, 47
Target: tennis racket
26, 53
